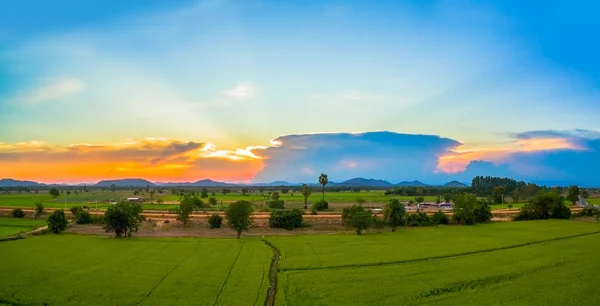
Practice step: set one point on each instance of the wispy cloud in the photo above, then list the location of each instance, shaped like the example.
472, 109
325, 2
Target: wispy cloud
241, 91
53, 90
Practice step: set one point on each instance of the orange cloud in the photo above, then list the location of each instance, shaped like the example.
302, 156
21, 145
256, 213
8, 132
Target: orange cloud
458, 160
157, 159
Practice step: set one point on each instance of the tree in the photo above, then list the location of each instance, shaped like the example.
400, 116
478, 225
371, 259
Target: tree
323, 180
275, 196
215, 221
573, 194
113, 187
516, 195
498, 194
57, 222
447, 198
469, 210
213, 201
245, 190
285, 189
239, 216
394, 213
306, 193
123, 219
419, 199
204, 193
39, 209
585, 194
184, 210
545, 205
54, 192
358, 217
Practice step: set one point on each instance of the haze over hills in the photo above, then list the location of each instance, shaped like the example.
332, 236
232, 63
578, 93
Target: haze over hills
138, 182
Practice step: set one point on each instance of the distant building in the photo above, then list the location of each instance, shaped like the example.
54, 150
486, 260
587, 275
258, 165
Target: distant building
136, 200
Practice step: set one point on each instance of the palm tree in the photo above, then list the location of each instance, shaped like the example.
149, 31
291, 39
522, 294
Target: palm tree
323, 180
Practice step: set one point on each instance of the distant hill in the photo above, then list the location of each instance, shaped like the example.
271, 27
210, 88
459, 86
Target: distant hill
412, 184
456, 184
128, 182
17, 183
363, 182
200, 183
275, 183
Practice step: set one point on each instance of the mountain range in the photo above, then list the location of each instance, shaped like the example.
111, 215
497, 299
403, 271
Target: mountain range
137, 182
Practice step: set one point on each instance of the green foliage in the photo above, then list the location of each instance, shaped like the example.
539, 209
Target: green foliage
378, 223
288, 219
418, 219
585, 194
204, 193
192, 200
239, 216
589, 211
215, 221
323, 180
17, 213
306, 192
358, 217
440, 218
276, 204
123, 219
184, 211
394, 213
573, 194
498, 194
39, 209
54, 192
360, 200
83, 217
57, 221
469, 210
419, 199
213, 201
545, 205
320, 205
75, 210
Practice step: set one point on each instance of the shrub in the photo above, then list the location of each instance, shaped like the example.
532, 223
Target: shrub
17, 213
213, 201
417, 219
215, 221
75, 210
440, 218
57, 222
83, 217
482, 212
589, 211
123, 219
469, 210
288, 219
378, 223
313, 212
358, 217
320, 205
545, 205
39, 209
276, 204
183, 211
97, 220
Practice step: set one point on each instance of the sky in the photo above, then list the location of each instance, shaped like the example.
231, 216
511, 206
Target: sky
258, 91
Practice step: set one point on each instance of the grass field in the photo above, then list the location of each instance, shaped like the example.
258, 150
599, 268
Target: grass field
526, 263
88, 270
12, 226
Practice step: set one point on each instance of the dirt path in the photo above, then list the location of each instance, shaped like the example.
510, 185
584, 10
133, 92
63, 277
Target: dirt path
270, 301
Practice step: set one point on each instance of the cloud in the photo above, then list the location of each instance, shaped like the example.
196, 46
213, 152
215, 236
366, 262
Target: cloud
241, 91
54, 90
151, 158
384, 155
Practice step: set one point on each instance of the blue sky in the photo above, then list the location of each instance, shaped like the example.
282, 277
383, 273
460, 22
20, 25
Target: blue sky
236, 74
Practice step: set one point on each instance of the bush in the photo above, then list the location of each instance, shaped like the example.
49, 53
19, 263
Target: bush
320, 205
394, 213
358, 217
39, 209
17, 213
589, 211
57, 222
313, 212
288, 219
545, 205
418, 219
469, 210
75, 210
482, 212
97, 220
83, 217
276, 204
378, 223
215, 221
440, 218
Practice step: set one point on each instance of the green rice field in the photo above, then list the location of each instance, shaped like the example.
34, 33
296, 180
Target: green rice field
515, 263
12, 226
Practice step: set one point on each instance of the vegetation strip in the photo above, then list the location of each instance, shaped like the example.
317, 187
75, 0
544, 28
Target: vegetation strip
436, 257
270, 300
228, 273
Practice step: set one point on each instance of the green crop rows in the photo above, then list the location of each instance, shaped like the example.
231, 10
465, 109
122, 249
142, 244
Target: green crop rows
515, 263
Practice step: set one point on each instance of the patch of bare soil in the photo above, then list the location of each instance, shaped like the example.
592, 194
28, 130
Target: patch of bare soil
162, 228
